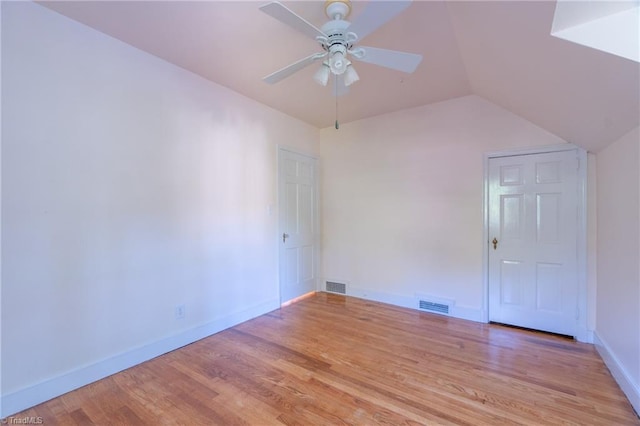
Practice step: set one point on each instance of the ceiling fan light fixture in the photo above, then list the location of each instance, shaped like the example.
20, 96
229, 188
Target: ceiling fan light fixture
350, 75
338, 63
322, 75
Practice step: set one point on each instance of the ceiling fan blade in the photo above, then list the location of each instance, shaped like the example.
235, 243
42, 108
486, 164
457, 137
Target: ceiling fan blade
293, 68
376, 14
394, 59
285, 15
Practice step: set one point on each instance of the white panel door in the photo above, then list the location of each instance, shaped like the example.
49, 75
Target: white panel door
533, 273
298, 218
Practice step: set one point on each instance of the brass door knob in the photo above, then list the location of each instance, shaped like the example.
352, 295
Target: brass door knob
495, 243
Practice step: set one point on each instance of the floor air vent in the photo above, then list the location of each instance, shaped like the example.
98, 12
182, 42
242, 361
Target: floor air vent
440, 308
334, 287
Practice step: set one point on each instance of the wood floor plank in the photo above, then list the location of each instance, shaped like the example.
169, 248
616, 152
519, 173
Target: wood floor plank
336, 360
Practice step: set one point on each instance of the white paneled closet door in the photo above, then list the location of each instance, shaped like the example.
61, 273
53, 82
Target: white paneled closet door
533, 229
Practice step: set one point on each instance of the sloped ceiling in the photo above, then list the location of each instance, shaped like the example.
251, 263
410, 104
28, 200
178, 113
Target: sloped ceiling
502, 51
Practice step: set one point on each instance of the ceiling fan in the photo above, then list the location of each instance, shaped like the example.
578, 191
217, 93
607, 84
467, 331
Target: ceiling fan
338, 39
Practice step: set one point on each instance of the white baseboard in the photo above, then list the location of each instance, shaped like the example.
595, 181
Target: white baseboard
583, 334
466, 313
619, 372
411, 302
35, 394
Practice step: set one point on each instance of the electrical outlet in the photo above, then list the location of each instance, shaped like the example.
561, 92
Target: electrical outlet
180, 311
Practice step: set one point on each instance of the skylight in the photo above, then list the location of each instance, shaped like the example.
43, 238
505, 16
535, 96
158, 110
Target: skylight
610, 26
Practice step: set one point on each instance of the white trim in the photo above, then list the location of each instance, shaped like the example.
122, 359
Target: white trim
317, 224
35, 394
411, 302
582, 332
1, 257
582, 329
532, 150
619, 373
485, 238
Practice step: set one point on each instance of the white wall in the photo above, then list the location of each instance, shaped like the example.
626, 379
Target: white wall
129, 186
618, 257
402, 200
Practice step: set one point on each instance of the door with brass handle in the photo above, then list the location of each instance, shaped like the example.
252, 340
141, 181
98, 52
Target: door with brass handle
284, 237
534, 240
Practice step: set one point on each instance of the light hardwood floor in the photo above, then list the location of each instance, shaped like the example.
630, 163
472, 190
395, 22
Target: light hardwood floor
334, 360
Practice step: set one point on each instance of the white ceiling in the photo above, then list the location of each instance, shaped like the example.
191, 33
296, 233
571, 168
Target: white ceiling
502, 51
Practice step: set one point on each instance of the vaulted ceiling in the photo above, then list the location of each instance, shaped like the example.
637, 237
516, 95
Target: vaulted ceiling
502, 51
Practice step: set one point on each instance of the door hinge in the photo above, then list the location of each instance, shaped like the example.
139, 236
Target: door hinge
577, 313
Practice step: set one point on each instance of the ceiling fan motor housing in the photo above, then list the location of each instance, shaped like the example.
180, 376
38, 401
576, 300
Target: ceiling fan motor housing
337, 42
336, 32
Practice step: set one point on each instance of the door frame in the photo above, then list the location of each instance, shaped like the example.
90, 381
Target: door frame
582, 314
280, 149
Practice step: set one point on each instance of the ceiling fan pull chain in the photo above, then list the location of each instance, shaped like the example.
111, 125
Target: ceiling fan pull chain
336, 93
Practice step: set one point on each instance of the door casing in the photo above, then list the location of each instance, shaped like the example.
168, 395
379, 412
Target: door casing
582, 332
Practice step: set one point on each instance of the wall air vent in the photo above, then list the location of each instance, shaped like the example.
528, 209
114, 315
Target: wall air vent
439, 307
334, 287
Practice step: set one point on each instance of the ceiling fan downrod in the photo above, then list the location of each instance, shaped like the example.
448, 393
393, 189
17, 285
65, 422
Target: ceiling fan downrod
337, 9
